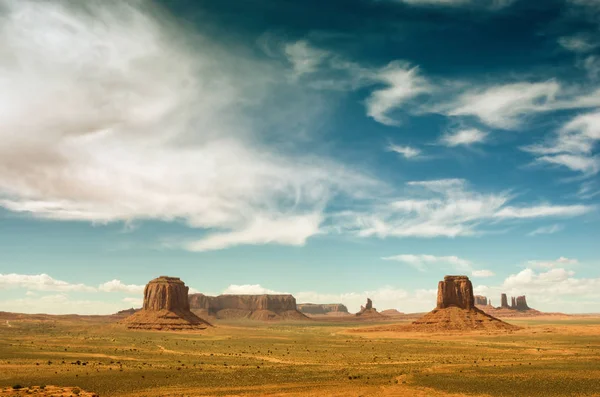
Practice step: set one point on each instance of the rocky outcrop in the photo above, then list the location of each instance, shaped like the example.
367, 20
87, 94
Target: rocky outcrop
322, 309
455, 291
368, 311
166, 307
481, 300
504, 302
456, 310
257, 307
521, 303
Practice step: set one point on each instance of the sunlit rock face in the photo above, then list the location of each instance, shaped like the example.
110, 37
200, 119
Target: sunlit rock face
455, 291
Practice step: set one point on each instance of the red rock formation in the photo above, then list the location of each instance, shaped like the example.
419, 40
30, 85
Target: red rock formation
521, 304
455, 291
481, 300
312, 308
456, 310
166, 307
504, 302
258, 307
368, 311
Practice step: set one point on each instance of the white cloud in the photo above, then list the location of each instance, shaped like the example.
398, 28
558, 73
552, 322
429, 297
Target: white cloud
420, 262
193, 146
387, 297
445, 208
249, 289
43, 282
134, 302
492, 4
543, 211
406, 151
40, 282
482, 273
553, 289
555, 228
292, 230
507, 106
304, 57
572, 146
464, 137
118, 286
577, 43
403, 83
60, 304
562, 261
503, 106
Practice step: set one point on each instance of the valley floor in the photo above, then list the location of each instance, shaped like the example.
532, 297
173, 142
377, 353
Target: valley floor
548, 357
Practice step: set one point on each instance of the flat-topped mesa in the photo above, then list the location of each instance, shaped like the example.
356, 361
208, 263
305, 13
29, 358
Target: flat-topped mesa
455, 291
326, 308
166, 293
166, 307
456, 310
258, 307
522, 303
504, 302
481, 300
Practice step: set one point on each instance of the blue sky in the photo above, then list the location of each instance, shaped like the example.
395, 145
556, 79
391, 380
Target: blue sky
333, 150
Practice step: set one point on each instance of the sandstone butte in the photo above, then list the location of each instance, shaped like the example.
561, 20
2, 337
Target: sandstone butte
368, 311
166, 307
323, 309
254, 307
456, 310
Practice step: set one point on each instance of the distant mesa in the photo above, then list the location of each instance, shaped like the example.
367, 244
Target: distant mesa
329, 309
368, 311
253, 307
392, 312
456, 310
518, 307
481, 300
166, 307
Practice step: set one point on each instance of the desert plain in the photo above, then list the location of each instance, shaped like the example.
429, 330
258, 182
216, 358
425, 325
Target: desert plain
70, 355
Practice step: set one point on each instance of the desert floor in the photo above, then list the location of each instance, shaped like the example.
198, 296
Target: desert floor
553, 356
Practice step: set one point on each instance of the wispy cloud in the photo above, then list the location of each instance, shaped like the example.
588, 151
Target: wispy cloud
187, 147
249, 289
119, 286
572, 146
465, 137
44, 282
577, 43
547, 230
403, 82
447, 208
40, 282
421, 262
482, 273
491, 4
406, 151
545, 264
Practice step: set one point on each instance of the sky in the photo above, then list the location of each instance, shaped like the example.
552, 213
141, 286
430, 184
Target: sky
334, 150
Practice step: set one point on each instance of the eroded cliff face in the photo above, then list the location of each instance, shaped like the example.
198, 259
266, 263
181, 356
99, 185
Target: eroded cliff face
456, 310
481, 300
260, 307
521, 303
326, 308
166, 293
455, 291
166, 307
504, 302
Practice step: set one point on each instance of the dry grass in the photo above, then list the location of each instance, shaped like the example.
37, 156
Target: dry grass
547, 358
